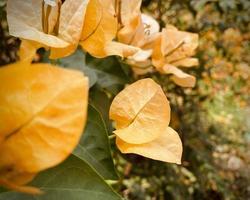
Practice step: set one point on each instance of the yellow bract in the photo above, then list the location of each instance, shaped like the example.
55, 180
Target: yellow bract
43, 113
56, 26
100, 29
28, 50
61, 27
142, 113
145, 37
130, 20
94, 38
166, 148
173, 49
161, 51
94, 15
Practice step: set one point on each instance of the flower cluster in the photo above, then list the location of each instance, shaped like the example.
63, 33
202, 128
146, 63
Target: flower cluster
161, 51
44, 107
94, 25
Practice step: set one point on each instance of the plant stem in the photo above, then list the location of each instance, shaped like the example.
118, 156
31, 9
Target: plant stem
112, 136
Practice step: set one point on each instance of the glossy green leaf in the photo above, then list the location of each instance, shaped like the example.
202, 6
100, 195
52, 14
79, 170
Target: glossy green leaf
109, 71
77, 61
97, 93
94, 147
72, 180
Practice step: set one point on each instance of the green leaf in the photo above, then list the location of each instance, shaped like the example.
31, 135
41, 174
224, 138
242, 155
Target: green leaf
109, 71
103, 105
77, 61
72, 180
94, 147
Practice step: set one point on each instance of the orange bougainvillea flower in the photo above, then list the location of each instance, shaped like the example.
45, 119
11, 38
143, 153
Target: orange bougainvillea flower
141, 61
174, 48
60, 27
129, 18
136, 29
100, 28
141, 113
162, 51
43, 113
48, 22
139, 30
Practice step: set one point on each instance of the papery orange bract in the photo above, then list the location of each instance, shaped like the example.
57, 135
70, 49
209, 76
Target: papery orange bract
25, 21
130, 21
159, 50
43, 113
167, 147
94, 15
97, 39
179, 77
173, 49
142, 113
91, 23
138, 30
28, 50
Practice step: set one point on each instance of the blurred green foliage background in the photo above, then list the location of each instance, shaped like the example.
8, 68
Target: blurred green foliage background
213, 118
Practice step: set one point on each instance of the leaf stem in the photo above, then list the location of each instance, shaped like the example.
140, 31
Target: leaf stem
111, 182
112, 136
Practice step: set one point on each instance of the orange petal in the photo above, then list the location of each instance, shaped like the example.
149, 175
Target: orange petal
25, 21
104, 33
20, 188
28, 50
43, 112
119, 49
56, 53
180, 78
178, 45
93, 18
167, 147
71, 20
186, 62
131, 22
141, 112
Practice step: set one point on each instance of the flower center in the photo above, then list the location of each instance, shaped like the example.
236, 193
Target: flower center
51, 8
147, 29
118, 7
